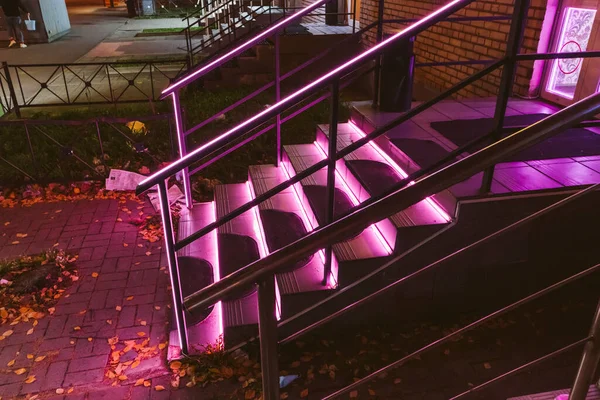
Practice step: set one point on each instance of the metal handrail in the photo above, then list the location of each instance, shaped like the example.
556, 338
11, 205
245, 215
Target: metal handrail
467, 328
400, 200
202, 70
276, 109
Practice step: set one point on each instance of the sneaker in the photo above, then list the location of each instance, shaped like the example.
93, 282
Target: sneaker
12, 43
23, 45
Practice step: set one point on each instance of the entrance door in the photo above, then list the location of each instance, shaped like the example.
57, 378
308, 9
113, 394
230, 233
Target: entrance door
570, 80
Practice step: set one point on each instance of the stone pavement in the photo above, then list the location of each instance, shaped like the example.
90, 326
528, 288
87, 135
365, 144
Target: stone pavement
117, 269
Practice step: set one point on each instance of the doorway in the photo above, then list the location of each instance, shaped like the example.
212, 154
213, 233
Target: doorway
577, 29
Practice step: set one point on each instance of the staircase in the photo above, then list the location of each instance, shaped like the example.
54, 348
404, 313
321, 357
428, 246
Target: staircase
367, 195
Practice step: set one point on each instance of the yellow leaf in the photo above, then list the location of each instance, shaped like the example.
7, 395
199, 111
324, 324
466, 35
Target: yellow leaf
175, 365
249, 395
122, 378
147, 383
129, 298
143, 323
51, 310
135, 363
76, 328
148, 253
16, 242
21, 235
304, 393
353, 394
371, 392
487, 365
70, 390
162, 345
30, 331
94, 274
60, 391
159, 388
141, 334
157, 308
11, 363
30, 356
139, 382
125, 245
20, 371
109, 321
119, 219
3, 313
39, 358
90, 339
30, 379
118, 308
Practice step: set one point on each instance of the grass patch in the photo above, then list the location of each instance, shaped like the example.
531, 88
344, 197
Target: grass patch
55, 164
169, 30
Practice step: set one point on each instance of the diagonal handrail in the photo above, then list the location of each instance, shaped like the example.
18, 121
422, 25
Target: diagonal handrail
401, 199
283, 104
204, 69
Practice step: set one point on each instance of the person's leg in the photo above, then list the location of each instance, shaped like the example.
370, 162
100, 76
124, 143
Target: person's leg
18, 31
10, 21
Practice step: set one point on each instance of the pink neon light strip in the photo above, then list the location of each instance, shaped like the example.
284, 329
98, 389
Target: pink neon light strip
176, 166
438, 209
356, 202
262, 246
226, 57
180, 139
217, 271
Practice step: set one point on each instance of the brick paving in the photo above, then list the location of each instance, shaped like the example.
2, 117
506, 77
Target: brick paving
96, 230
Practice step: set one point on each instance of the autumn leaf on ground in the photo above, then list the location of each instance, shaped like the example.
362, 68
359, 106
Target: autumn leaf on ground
30, 331
304, 393
11, 363
139, 382
39, 358
147, 384
129, 298
250, 394
371, 392
157, 308
353, 394
118, 308
94, 274
30, 379
159, 388
397, 381
20, 371
60, 391
284, 396
141, 334
175, 365
487, 365
21, 235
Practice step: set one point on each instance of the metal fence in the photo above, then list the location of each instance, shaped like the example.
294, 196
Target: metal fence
43, 85
59, 150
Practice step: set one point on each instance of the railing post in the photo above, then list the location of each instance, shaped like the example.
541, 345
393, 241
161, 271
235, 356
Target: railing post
11, 89
515, 38
331, 152
377, 70
165, 211
589, 361
267, 331
181, 140
278, 97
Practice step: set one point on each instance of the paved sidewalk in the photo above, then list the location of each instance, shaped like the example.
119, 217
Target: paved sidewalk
122, 291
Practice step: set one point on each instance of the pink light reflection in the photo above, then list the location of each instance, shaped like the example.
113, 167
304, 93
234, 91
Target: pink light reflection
176, 166
262, 245
216, 270
180, 139
356, 202
443, 215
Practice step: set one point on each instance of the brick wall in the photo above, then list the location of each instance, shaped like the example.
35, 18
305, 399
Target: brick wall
475, 40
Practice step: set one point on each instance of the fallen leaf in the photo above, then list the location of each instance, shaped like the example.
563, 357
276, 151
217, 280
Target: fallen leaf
30, 331
487, 365
397, 381
20, 371
371, 392
122, 378
159, 388
30, 379
304, 393
162, 345
70, 390
125, 245
21, 235
353, 394
157, 308
176, 365
284, 396
119, 220
16, 242
7, 333
148, 253
295, 364
118, 308
30, 356
90, 339
249, 395
94, 274
39, 358
141, 334
129, 298
139, 382
76, 328
147, 383
143, 323
109, 321
60, 391
11, 363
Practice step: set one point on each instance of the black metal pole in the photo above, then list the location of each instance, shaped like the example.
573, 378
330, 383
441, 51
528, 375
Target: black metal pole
11, 89
165, 211
515, 38
331, 152
377, 71
267, 331
278, 97
590, 360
